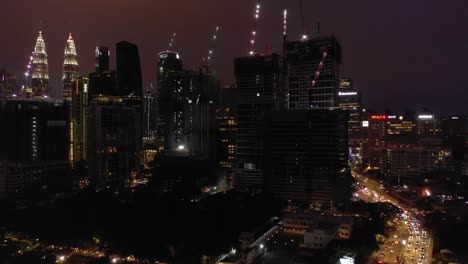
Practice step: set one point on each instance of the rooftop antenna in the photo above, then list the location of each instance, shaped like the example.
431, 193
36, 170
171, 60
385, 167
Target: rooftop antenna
254, 30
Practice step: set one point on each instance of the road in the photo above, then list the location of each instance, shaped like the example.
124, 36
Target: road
410, 242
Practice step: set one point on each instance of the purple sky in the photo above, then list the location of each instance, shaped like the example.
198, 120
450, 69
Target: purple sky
399, 53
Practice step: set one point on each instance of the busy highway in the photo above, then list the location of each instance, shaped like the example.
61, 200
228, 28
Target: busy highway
409, 241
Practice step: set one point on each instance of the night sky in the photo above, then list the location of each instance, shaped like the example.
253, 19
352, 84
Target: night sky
399, 53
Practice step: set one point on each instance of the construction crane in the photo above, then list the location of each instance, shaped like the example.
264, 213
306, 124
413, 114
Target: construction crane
211, 51
317, 73
171, 43
303, 24
254, 29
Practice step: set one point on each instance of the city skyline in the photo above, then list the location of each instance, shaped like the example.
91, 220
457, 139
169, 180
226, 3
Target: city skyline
389, 49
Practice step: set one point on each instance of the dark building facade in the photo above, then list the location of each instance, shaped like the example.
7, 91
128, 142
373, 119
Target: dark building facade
187, 103
170, 103
128, 70
79, 120
258, 80
8, 86
102, 55
35, 144
307, 154
226, 126
102, 83
113, 142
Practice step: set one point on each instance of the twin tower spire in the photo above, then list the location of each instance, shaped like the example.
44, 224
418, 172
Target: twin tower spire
40, 68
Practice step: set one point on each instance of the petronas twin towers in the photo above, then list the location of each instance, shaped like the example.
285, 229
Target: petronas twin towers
70, 67
40, 68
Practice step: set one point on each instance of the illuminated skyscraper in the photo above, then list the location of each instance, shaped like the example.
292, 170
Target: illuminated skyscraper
40, 73
70, 68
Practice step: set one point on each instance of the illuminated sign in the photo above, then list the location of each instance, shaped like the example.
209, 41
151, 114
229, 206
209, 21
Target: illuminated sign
365, 123
455, 117
425, 116
346, 93
391, 117
378, 117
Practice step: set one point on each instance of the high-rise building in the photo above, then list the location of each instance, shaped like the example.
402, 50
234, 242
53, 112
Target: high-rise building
113, 140
350, 100
129, 83
415, 161
128, 70
400, 130
150, 144
70, 68
171, 103
455, 137
226, 125
150, 114
372, 139
307, 156
102, 83
8, 86
79, 120
34, 142
102, 55
313, 73
40, 69
187, 102
429, 130
258, 80
203, 90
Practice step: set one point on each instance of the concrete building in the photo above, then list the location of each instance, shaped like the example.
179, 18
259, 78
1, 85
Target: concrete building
320, 235
302, 222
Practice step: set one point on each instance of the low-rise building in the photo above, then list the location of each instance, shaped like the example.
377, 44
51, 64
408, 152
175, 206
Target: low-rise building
320, 235
303, 222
